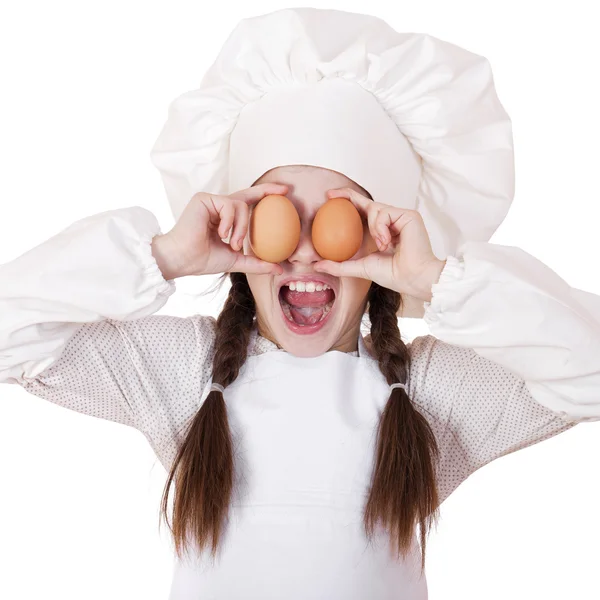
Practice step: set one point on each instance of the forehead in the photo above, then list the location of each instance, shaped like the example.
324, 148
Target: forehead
307, 184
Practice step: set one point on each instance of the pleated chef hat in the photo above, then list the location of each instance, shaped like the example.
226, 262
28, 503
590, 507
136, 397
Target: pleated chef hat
413, 119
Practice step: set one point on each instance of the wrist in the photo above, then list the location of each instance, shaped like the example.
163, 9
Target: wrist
162, 251
429, 276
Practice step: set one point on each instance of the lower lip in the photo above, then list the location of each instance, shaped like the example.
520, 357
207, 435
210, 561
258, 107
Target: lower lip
305, 329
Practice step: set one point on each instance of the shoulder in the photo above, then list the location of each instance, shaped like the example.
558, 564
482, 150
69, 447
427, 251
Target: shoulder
428, 352
436, 371
205, 328
172, 357
154, 337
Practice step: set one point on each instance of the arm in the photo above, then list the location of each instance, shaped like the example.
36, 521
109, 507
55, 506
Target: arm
478, 410
100, 267
512, 309
148, 373
77, 329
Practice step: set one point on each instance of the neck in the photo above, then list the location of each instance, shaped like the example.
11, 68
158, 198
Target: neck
347, 343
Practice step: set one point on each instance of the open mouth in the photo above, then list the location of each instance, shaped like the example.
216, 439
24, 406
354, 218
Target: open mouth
306, 305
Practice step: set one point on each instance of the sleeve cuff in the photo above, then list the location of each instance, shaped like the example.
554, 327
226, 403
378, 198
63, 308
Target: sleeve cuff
143, 225
442, 298
152, 273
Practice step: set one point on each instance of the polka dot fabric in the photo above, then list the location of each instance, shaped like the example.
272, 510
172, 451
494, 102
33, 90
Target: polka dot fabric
151, 373
148, 373
478, 410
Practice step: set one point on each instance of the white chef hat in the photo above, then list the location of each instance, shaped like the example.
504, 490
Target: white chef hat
414, 120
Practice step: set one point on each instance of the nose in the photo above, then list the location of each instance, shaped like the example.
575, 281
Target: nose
305, 252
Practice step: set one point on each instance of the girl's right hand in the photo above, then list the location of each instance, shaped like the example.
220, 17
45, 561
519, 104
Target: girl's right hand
195, 246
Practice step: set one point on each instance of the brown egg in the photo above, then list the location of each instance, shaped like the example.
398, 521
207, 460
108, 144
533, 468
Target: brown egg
274, 228
337, 230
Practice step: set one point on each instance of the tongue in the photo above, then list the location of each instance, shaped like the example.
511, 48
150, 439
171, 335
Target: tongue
306, 318
307, 299
306, 308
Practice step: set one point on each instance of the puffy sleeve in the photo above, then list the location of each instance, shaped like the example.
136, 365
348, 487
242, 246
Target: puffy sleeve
512, 309
100, 267
478, 410
77, 327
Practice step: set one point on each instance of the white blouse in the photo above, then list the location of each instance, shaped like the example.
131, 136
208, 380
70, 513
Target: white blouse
513, 359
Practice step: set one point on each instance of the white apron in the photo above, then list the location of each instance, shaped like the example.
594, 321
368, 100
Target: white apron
304, 432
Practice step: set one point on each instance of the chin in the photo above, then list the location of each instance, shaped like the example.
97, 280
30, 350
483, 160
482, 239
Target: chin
303, 347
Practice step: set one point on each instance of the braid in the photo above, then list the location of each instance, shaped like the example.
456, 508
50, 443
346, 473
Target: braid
403, 489
233, 331
204, 464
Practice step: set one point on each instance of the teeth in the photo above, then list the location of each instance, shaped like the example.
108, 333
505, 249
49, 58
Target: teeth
307, 286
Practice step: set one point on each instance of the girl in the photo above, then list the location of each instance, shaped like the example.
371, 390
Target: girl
306, 461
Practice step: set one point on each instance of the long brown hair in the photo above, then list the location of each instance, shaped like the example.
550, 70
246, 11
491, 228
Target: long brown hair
403, 487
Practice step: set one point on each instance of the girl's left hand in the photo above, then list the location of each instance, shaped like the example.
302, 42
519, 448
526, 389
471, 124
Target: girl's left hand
405, 261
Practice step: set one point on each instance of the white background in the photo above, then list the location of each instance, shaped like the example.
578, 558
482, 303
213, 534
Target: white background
86, 87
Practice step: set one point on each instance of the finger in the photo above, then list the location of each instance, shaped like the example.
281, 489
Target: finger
393, 220
381, 227
367, 208
240, 227
251, 264
254, 194
373, 216
361, 202
347, 268
395, 217
219, 210
226, 215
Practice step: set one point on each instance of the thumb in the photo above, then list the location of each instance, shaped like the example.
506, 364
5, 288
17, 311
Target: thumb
251, 264
346, 268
